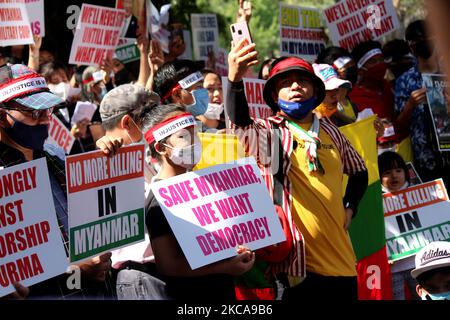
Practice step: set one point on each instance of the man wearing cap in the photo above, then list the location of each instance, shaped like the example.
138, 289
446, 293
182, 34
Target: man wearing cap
123, 110
333, 83
432, 271
26, 104
314, 157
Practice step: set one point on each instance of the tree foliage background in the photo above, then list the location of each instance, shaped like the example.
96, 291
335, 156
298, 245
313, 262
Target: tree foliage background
264, 24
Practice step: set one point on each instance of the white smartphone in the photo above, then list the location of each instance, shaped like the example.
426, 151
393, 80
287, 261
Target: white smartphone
239, 31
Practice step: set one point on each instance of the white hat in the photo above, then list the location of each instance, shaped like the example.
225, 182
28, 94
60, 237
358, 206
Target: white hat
328, 75
433, 256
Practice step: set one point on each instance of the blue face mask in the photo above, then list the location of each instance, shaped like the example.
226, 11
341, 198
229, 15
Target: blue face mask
31, 137
437, 296
200, 105
297, 110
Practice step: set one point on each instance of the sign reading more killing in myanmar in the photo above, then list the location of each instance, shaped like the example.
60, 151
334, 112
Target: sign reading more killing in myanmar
31, 247
351, 22
214, 210
106, 207
301, 32
415, 217
97, 35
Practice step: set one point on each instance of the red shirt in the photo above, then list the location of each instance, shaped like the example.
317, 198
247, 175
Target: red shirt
381, 103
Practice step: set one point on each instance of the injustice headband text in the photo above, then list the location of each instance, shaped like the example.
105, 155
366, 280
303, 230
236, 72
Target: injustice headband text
21, 86
169, 127
184, 83
372, 53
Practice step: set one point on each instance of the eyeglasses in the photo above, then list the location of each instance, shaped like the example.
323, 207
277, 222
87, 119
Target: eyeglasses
34, 114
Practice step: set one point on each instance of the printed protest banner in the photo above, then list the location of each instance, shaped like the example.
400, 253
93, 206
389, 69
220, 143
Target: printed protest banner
127, 51
440, 110
214, 210
415, 217
205, 35
97, 35
59, 135
31, 247
222, 62
15, 26
106, 211
301, 32
254, 93
187, 54
351, 22
35, 9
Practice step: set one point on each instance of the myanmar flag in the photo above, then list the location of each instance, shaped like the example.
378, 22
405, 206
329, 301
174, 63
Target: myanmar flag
367, 228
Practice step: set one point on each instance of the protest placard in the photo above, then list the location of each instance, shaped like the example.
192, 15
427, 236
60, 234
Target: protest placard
301, 32
135, 19
59, 135
415, 217
222, 62
106, 209
31, 247
214, 210
127, 51
414, 178
205, 35
187, 54
440, 110
35, 9
254, 92
351, 22
97, 35
15, 26
83, 111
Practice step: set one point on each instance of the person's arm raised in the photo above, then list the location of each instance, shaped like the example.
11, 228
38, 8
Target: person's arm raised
241, 57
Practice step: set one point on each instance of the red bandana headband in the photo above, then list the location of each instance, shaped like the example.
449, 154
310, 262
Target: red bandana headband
169, 127
22, 86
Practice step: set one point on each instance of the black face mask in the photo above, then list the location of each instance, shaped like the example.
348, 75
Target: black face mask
422, 50
31, 137
351, 74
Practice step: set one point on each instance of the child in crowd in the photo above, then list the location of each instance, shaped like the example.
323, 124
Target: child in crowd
394, 177
177, 151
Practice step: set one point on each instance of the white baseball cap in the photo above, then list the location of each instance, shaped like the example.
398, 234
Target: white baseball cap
328, 75
433, 256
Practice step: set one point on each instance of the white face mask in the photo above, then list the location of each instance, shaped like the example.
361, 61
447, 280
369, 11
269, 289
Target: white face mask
214, 111
186, 157
61, 89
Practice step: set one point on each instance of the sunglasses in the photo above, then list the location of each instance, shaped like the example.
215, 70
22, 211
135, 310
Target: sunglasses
34, 114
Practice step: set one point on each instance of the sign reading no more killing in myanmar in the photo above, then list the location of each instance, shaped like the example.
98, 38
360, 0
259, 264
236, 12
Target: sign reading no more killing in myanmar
214, 210
415, 217
106, 201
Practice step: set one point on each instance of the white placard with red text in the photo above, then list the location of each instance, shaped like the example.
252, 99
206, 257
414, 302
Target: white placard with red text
254, 92
15, 26
59, 135
97, 35
351, 22
35, 9
31, 247
214, 210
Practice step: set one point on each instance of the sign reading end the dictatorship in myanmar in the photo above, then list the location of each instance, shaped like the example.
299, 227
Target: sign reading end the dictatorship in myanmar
214, 210
301, 32
415, 217
31, 247
353, 21
106, 201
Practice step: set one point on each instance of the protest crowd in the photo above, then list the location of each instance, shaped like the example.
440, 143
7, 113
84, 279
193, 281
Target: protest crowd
133, 171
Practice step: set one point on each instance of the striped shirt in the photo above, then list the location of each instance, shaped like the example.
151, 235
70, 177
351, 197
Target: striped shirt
258, 139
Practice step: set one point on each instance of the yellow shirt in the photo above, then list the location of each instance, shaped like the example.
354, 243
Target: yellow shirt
318, 209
